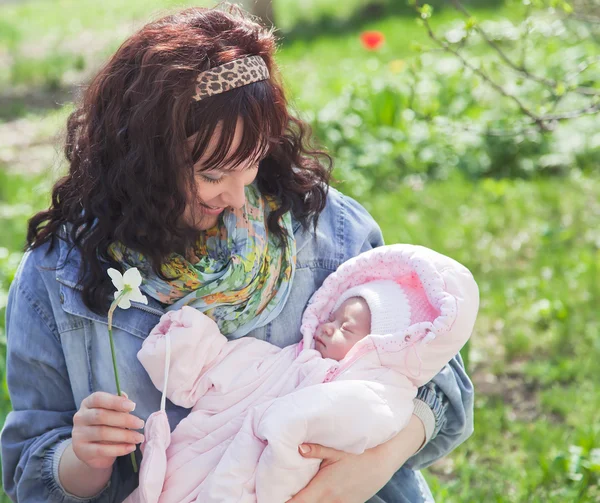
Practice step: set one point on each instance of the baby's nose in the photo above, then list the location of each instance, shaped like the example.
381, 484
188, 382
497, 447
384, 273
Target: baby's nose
328, 329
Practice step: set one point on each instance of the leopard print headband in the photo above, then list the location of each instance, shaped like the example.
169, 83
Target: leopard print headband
228, 76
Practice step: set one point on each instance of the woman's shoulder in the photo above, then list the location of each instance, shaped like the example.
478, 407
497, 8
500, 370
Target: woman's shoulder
36, 263
43, 268
354, 227
345, 229
34, 290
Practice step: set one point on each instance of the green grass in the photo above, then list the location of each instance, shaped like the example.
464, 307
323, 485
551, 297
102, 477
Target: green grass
45, 51
534, 248
316, 70
41, 21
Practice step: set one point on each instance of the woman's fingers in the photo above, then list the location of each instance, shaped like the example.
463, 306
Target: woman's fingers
319, 452
105, 417
103, 429
102, 400
107, 434
95, 451
104, 409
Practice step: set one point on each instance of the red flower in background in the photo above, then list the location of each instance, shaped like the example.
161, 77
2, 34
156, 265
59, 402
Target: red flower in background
372, 40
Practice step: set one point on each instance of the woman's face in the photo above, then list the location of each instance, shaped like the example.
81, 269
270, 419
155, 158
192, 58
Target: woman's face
217, 190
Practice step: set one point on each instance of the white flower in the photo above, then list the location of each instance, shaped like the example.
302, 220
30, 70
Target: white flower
128, 287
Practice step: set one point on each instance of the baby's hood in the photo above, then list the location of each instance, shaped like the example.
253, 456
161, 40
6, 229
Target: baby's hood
441, 298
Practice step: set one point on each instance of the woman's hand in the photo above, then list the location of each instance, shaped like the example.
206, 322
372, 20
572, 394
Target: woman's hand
101, 433
102, 429
343, 477
352, 478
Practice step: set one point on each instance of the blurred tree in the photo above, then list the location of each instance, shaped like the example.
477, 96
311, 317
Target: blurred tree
555, 86
260, 8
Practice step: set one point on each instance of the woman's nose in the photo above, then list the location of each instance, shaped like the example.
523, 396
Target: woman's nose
235, 194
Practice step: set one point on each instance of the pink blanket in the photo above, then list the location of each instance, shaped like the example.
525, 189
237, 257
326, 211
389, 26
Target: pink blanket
254, 403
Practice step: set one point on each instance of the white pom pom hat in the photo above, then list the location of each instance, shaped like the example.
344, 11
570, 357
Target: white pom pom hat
388, 303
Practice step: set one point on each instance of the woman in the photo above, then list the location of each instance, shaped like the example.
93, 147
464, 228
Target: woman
185, 163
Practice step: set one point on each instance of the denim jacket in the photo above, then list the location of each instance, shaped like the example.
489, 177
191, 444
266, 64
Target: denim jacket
58, 354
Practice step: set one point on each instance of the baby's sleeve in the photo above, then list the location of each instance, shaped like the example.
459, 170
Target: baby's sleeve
193, 348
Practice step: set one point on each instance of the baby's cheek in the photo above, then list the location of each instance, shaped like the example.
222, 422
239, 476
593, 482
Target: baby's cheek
340, 349
362, 336
333, 350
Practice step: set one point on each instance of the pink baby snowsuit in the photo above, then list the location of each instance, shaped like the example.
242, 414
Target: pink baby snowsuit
254, 403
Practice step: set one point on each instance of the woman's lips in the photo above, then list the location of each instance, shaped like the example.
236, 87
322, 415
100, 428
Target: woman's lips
210, 210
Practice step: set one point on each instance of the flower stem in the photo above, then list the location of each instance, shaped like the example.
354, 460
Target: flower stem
112, 344
113, 306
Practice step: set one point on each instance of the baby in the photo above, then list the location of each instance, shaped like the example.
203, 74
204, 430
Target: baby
366, 309
383, 324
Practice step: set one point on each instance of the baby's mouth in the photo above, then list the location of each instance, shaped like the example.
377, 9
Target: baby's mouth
318, 339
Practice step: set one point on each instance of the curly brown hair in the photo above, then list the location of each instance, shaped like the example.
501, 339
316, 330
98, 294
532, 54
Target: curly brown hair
130, 169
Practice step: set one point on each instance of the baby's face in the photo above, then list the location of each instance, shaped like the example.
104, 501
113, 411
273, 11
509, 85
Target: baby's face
347, 325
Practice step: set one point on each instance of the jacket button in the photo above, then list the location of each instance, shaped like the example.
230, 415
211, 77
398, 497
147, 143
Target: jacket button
62, 298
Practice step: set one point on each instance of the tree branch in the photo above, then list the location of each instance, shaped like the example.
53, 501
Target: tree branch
545, 122
552, 84
583, 67
537, 120
573, 114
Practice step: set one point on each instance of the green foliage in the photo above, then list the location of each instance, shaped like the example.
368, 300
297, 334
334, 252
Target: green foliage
430, 117
16, 196
47, 72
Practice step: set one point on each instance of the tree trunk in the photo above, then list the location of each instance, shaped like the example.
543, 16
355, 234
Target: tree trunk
260, 8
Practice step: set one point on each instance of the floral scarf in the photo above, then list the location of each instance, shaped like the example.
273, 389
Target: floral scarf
238, 273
